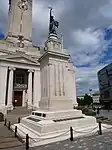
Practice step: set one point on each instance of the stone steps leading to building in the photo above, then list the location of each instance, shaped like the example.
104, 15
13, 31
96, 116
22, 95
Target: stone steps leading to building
20, 110
16, 113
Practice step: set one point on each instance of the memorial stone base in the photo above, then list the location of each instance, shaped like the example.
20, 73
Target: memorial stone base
50, 126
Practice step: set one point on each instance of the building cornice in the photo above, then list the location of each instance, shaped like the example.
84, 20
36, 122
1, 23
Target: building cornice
15, 62
53, 53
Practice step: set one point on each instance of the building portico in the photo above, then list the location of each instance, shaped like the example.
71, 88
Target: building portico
20, 83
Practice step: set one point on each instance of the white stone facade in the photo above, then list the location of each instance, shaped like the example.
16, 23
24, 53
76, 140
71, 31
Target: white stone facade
48, 74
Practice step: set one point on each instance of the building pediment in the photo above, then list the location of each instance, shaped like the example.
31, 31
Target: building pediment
20, 58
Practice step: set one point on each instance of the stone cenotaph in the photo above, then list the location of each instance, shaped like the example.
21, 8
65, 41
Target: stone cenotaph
55, 115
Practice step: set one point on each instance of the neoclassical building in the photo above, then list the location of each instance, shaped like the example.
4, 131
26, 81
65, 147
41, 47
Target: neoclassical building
30, 73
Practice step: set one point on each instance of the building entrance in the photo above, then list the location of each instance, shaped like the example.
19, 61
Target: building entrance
18, 98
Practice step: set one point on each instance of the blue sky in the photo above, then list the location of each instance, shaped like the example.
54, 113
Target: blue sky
87, 31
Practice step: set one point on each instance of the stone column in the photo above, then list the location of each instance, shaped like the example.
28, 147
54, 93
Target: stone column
30, 89
3, 84
37, 88
24, 98
10, 88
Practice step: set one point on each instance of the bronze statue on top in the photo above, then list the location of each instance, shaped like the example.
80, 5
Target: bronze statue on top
10, 4
53, 24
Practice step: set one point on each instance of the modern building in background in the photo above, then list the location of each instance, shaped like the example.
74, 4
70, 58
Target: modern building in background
105, 85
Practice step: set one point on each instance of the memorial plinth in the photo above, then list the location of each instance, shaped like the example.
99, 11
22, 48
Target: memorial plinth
56, 114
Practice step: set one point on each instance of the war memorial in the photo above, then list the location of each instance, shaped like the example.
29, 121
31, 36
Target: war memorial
43, 79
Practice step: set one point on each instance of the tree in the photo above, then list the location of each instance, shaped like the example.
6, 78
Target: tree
88, 99
80, 101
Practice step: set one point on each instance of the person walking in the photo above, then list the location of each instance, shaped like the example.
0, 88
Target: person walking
98, 110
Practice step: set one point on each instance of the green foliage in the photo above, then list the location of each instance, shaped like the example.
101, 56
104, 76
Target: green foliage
86, 101
85, 110
80, 102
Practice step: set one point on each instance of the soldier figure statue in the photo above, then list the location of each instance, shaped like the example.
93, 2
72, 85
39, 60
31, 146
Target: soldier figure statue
53, 24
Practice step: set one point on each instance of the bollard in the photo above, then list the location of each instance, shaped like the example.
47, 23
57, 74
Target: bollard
71, 134
15, 131
5, 122
9, 125
100, 130
19, 119
27, 142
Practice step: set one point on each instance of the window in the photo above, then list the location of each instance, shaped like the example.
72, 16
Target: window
106, 94
19, 79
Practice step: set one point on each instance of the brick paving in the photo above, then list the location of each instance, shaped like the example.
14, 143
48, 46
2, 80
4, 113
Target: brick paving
102, 142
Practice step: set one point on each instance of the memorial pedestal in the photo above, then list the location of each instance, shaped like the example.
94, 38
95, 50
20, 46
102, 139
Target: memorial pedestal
50, 126
56, 115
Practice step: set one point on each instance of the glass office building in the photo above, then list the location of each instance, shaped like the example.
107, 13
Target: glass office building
105, 85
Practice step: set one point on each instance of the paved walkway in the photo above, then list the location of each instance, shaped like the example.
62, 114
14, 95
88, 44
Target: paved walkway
103, 142
106, 114
18, 112
7, 138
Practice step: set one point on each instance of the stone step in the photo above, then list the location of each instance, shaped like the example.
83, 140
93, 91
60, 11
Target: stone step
23, 130
16, 113
20, 111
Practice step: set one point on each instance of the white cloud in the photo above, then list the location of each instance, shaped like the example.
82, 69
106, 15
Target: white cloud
86, 78
42, 12
106, 10
88, 50
89, 46
41, 18
87, 37
4, 7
